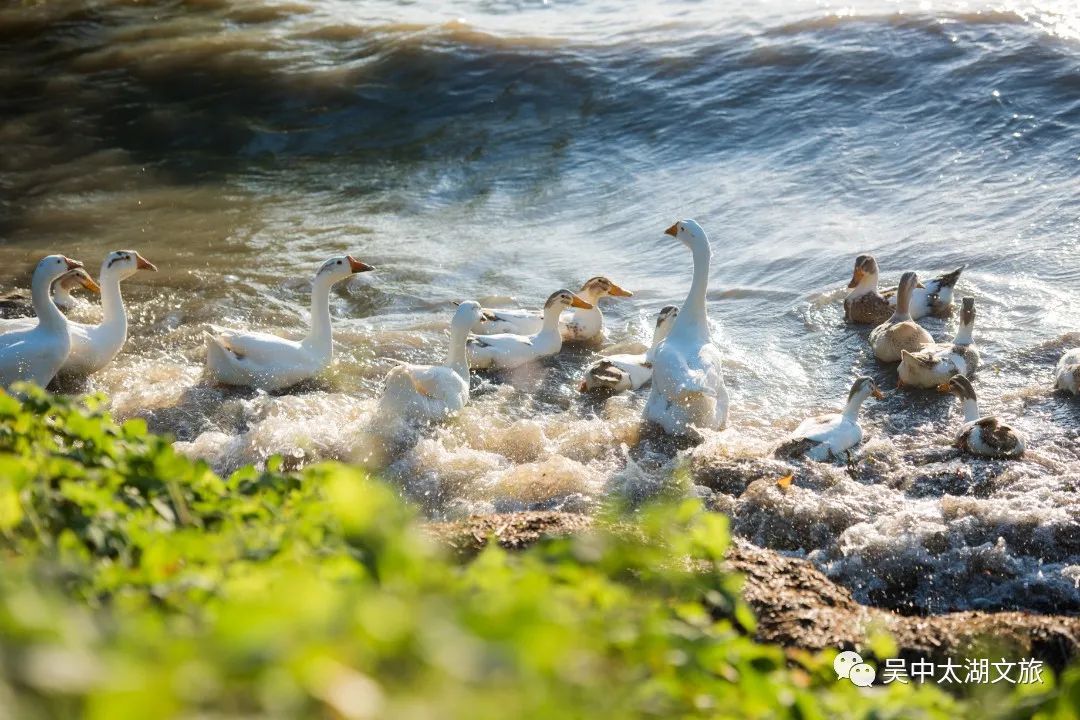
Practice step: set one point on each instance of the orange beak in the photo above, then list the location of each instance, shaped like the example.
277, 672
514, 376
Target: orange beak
856, 278
72, 264
357, 266
582, 387
878, 394
944, 387
673, 230
88, 283
142, 263
579, 303
619, 292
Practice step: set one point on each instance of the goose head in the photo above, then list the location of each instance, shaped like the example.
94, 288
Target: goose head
69, 281
468, 314
51, 267
600, 286
561, 300
959, 386
865, 274
124, 263
689, 233
664, 320
864, 387
908, 282
337, 269
967, 311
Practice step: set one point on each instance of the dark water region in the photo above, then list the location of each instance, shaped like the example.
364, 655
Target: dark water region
504, 150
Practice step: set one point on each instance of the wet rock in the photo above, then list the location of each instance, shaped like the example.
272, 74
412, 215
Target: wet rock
797, 606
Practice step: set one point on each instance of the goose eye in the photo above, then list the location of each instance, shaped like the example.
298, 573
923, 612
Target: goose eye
338, 262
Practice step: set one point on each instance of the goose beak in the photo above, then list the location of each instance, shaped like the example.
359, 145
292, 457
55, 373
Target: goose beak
582, 387
944, 388
488, 316
856, 278
619, 292
142, 263
878, 394
72, 264
673, 230
579, 303
356, 266
88, 282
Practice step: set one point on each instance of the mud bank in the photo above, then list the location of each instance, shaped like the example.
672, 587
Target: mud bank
799, 607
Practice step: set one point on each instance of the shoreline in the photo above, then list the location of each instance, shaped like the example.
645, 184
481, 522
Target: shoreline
799, 608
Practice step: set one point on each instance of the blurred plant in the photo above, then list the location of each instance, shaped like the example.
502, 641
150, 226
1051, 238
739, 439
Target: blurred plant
136, 584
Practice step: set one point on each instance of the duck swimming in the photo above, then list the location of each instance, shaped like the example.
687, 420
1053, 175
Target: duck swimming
985, 436
899, 332
506, 351
36, 353
828, 437
865, 305
575, 325
1067, 374
934, 364
94, 346
269, 362
434, 392
617, 373
688, 388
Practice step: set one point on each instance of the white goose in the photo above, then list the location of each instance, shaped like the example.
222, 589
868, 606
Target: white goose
986, 436
507, 350
617, 373
900, 332
434, 392
688, 383
576, 324
35, 354
94, 346
261, 360
828, 437
936, 363
1068, 372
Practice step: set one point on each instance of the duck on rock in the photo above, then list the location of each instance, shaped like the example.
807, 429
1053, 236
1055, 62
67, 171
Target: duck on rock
980, 435
828, 437
1067, 374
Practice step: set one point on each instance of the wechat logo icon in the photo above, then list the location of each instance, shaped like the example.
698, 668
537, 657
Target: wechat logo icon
850, 666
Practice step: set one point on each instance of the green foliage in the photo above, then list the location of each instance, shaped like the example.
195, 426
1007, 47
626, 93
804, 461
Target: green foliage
138, 584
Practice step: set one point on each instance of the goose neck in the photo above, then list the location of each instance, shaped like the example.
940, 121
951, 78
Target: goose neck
693, 318
319, 336
49, 316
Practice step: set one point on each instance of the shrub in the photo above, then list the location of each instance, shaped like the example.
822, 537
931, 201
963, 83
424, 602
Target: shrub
138, 584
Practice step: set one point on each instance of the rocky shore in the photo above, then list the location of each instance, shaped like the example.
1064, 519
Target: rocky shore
799, 607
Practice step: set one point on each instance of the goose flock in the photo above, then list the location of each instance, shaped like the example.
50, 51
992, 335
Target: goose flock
682, 366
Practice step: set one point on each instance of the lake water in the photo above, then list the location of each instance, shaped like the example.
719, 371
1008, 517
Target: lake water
498, 150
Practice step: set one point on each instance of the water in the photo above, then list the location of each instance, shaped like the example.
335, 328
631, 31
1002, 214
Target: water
493, 150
